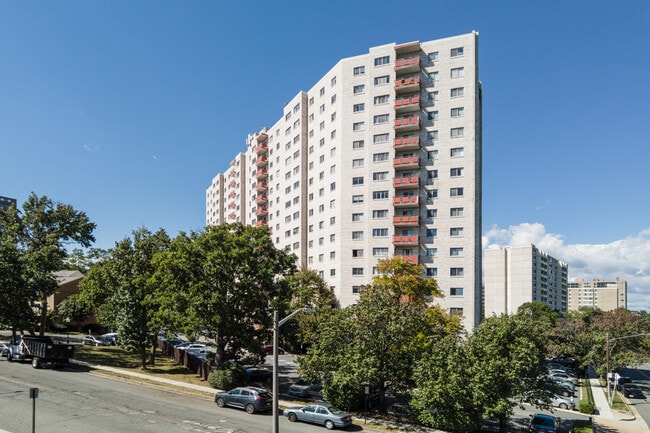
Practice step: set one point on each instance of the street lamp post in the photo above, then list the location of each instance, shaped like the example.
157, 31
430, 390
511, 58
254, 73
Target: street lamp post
610, 394
276, 341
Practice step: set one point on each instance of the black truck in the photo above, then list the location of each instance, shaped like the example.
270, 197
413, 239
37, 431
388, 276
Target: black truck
42, 351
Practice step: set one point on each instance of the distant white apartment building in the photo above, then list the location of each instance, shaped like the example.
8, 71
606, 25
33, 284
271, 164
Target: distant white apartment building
380, 158
605, 295
517, 275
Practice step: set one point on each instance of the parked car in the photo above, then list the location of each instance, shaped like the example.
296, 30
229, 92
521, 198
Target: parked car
4, 349
257, 374
631, 390
622, 380
191, 346
250, 398
564, 376
542, 423
111, 337
94, 341
321, 413
548, 397
302, 388
560, 388
268, 349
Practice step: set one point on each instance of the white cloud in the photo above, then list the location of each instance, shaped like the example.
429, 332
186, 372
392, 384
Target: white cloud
627, 259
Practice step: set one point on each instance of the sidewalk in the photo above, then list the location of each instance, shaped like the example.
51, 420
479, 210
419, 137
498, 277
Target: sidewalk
606, 420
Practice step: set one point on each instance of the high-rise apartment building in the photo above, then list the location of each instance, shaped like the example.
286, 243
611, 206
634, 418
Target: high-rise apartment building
517, 275
7, 202
380, 158
605, 295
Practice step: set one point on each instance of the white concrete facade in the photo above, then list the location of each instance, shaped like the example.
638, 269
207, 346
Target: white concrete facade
521, 274
381, 157
605, 295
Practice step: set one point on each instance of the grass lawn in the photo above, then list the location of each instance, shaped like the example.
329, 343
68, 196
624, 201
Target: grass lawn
114, 356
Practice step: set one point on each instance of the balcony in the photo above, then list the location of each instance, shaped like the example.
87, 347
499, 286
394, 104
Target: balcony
409, 47
232, 215
407, 201
261, 137
261, 186
261, 174
261, 199
407, 84
406, 240
408, 123
407, 65
261, 222
232, 194
406, 162
261, 161
261, 211
411, 259
232, 183
232, 205
406, 220
407, 104
407, 143
406, 182
262, 148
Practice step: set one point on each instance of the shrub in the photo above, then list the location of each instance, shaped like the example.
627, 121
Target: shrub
587, 407
226, 377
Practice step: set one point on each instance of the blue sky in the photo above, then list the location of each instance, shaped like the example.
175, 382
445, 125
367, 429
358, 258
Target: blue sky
127, 109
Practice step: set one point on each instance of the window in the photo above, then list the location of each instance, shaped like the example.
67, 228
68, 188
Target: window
432, 174
433, 76
357, 235
380, 175
357, 253
357, 198
456, 272
457, 112
432, 193
332, 186
432, 154
457, 91
456, 310
379, 157
380, 138
432, 115
456, 252
333, 116
432, 213
322, 91
357, 108
457, 72
357, 180
333, 82
457, 132
432, 96
432, 272
358, 126
380, 81
456, 211
356, 289
379, 61
383, 99
357, 271
379, 233
357, 144
432, 233
456, 231
379, 195
380, 213
456, 291
381, 118
332, 237
332, 272
357, 162
456, 172
455, 52
359, 88
456, 192
359, 70
457, 151
432, 57
432, 135
380, 252
333, 99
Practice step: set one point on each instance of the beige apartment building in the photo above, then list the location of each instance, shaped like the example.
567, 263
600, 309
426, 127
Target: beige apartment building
521, 274
380, 158
605, 295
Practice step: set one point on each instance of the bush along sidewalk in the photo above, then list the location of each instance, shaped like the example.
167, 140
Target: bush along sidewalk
586, 405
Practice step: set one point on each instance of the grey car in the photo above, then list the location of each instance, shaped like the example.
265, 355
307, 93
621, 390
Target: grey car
250, 398
95, 341
321, 413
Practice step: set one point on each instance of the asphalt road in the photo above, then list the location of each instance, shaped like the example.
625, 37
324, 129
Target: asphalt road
641, 376
72, 401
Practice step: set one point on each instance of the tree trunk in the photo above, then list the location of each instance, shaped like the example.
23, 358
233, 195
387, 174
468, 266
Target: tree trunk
152, 354
43, 326
143, 357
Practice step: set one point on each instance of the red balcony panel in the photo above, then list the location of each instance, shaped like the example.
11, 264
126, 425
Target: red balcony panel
408, 84
261, 211
261, 174
261, 186
406, 182
406, 162
407, 201
406, 239
410, 123
411, 259
261, 199
406, 220
407, 143
232, 215
261, 161
407, 64
409, 103
261, 223
262, 148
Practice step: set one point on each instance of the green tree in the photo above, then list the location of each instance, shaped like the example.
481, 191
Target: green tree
74, 309
42, 233
225, 280
505, 356
376, 341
